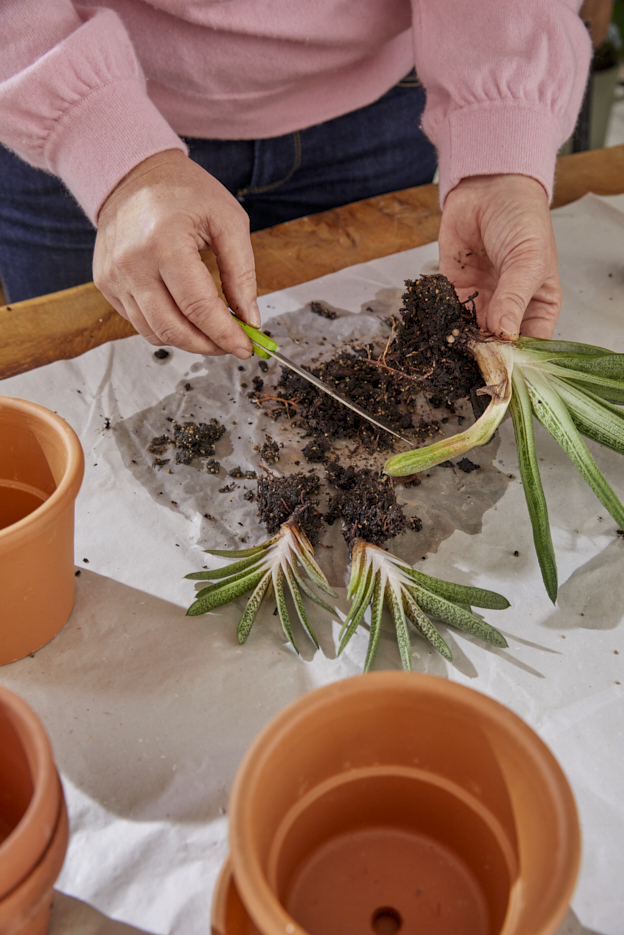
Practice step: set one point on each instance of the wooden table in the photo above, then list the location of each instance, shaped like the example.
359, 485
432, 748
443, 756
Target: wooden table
65, 324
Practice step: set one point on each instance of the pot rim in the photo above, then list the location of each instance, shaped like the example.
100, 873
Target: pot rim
42, 813
259, 899
19, 906
68, 488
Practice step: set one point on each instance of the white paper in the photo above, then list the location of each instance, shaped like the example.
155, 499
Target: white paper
150, 712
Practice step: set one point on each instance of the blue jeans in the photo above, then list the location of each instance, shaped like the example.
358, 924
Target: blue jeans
46, 241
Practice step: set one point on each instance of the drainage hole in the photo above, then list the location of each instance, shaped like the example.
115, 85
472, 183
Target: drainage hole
386, 921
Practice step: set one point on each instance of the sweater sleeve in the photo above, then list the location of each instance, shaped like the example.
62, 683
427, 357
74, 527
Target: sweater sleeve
504, 80
73, 98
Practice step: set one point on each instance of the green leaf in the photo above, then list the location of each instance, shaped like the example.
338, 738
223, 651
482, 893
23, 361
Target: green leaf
241, 553
225, 593
315, 573
552, 413
610, 394
572, 348
522, 418
609, 365
298, 602
226, 571
599, 384
424, 626
310, 593
280, 600
375, 627
220, 584
597, 420
395, 603
479, 597
252, 608
358, 609
456, 616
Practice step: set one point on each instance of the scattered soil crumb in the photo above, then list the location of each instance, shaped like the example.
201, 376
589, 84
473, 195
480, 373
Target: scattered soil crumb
280, 497
249, 496
270, 451
263, 365
319, 309
257, 384
158, 462
161, 353
367, 504
159, 444
238, 473
195, 440
468, 466
228, 488
317, 450
212, 466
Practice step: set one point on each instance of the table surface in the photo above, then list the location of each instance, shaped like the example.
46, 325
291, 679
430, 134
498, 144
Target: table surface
65, 324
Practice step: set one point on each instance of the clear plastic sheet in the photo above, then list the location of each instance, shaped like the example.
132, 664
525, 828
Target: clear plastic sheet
150, 712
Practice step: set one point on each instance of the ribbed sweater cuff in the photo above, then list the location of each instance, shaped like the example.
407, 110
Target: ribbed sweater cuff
506, 138
103, 136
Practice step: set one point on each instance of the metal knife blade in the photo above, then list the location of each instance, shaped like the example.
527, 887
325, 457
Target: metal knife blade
268, 347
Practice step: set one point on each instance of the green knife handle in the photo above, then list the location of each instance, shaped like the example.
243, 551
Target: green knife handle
259, 338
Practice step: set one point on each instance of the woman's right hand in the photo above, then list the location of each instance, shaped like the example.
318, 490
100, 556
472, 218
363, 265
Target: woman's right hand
147, 263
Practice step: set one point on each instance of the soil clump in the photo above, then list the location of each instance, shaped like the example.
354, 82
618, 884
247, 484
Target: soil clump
281, 497
431, 337
367, 504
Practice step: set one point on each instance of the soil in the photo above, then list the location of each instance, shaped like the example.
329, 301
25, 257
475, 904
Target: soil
387, 396
367, 504
319, 309
270, 451
191, 440
281, 497
430, 340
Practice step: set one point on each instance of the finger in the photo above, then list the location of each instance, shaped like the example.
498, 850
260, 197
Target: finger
540, 319
157, 318
194, 292
516, 287
232, 248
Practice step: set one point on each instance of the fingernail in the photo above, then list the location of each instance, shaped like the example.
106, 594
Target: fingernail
254, 315
509, 326
241, 352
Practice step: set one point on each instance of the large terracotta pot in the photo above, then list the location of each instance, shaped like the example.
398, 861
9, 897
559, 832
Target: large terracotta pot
33, 820
41, 469
396, 802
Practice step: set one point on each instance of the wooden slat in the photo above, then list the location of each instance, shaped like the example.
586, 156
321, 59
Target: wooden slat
66, 324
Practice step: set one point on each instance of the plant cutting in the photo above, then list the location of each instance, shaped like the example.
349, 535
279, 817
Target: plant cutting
371, 515
264, 569
572, 389
377, 577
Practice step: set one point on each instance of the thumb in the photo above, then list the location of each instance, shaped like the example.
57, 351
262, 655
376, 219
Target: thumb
516, 287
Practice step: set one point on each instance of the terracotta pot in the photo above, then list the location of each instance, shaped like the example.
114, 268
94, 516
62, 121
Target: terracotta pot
396, 802
33, 820
41, 469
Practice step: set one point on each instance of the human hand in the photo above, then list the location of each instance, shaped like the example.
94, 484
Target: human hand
496, 238
146, 260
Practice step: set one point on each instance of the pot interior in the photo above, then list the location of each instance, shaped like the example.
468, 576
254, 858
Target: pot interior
16, 781
33, 461
378, 853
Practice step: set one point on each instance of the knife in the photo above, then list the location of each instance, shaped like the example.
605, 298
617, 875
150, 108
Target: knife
264, 346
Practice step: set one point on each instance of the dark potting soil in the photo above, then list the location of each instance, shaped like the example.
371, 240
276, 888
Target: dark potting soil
270, 451
431, 336
319, 309
367, 504
386, 396
317, 450
280, 497
191, 440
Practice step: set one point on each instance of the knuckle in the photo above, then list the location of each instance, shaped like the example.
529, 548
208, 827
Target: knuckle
196, 308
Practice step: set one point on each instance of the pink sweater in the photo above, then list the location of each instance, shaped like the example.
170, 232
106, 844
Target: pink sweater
88, 92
